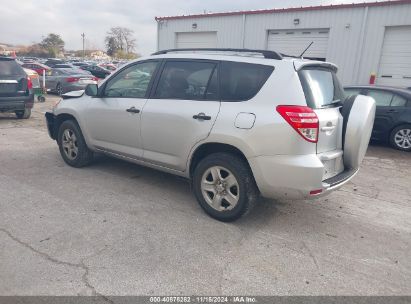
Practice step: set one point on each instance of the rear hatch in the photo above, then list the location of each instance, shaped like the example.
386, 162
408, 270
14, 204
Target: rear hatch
13, 79
324, 94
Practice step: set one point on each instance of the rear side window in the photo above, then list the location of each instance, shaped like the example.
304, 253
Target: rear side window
187, 80
398, 101
321, 87
242, 81
382, 98
10, 68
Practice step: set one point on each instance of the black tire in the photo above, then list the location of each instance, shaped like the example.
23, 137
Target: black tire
41, 99
23, 114
247, 188
84, 155
59, 89
397, 145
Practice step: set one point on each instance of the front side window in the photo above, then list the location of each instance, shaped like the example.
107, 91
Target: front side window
242, 81
189, 80
132, 82
382, 98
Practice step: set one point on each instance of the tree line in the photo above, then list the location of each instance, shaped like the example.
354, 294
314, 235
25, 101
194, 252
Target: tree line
119, 41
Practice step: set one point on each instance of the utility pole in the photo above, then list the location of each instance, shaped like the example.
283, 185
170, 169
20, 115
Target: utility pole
83, 36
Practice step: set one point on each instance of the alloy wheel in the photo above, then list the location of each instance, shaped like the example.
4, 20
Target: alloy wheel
69, 144
403, 138
220, 188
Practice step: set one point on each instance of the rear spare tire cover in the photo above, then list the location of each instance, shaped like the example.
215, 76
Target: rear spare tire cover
359, 123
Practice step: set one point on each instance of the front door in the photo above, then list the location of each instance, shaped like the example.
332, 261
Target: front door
181, 111
113, 119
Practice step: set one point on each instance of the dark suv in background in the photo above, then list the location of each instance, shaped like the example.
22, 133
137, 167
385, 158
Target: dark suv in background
16, 89
393, 116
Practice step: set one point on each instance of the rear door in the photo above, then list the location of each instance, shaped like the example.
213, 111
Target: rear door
180, 112
390, 107
13, 79
324, 95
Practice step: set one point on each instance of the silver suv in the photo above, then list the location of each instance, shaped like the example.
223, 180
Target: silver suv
237, 123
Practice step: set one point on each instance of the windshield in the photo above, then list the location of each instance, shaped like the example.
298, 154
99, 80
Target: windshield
321, 87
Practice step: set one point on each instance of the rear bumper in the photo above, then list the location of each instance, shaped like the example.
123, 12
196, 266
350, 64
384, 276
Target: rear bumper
294, 177
50, 120
9, 104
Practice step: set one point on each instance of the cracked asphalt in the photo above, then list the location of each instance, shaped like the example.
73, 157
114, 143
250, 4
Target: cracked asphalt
115, 228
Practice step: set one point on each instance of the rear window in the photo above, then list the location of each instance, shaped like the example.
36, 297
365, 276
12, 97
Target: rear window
321, 87
242, 81
10, 68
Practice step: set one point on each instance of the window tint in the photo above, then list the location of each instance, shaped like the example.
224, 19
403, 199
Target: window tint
185, 80
131, 82
398, 101
382, 98
321, 87
242, 81
10, 67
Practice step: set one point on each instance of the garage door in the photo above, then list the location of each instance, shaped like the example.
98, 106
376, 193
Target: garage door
395, 62
294, 42
196, 40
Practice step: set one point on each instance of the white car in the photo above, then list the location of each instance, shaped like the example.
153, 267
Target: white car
237, 123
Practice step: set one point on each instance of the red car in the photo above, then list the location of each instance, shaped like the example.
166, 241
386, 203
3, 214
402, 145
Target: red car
36, 66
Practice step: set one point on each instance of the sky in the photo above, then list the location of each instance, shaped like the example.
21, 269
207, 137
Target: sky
23, 22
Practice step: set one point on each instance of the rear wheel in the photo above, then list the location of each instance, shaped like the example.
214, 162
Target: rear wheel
73, 147
400, 138
224, 186
59, 89
23, 114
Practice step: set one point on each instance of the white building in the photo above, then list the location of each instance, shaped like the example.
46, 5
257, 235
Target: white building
362, 38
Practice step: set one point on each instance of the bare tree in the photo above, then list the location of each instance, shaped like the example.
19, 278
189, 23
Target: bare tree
120, 39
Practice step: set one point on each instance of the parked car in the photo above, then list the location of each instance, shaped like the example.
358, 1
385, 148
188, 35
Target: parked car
393, 117
236, 124
16, 89
63, 66
35, 66
79, 64
97, 71
108, 66
61, 80
51, 62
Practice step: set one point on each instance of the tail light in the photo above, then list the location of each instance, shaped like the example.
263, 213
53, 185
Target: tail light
29, 83
95, 78
302, 119
72, 79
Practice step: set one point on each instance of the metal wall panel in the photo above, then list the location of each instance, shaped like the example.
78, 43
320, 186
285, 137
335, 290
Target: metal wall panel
355, 38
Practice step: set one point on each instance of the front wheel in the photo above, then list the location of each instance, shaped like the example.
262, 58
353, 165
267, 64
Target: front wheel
73, 147
400, 138
224, 186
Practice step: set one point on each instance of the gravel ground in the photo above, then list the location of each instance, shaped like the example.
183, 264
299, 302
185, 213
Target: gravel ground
116, 228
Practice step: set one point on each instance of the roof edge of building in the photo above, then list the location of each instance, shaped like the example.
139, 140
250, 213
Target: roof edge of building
283, 10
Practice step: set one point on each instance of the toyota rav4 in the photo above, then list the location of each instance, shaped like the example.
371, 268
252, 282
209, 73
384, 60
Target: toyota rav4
237, 123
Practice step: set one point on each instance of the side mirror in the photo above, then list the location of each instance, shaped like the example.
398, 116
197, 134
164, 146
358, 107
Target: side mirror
91, 90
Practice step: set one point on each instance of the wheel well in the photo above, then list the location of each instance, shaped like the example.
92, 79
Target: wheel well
59, 120
210, 148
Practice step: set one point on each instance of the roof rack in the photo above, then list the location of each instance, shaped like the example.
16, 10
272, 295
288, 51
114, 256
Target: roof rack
265, 53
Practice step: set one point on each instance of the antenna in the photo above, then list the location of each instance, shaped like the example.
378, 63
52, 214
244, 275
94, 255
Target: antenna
306, 49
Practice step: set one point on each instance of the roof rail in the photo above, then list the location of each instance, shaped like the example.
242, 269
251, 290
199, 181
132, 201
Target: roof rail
265, 53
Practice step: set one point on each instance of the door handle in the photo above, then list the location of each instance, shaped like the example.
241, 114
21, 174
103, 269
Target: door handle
392, 111
327, 128
133, 110
202, 116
